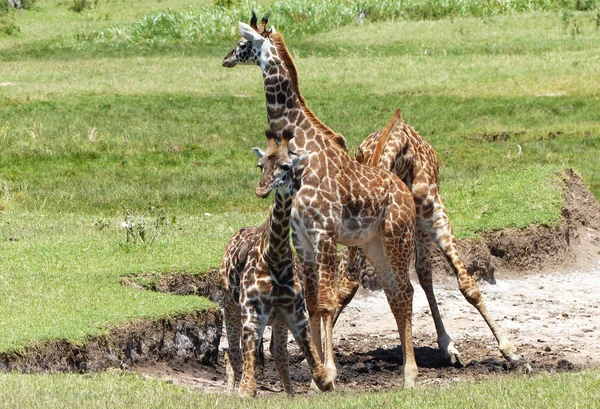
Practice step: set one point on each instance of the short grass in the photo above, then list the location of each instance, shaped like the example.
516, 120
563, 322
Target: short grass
575, 390
60, 273
84, 131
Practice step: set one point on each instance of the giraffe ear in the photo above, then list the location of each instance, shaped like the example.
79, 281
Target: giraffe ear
359, 155
297, 159
249, 33
259, 154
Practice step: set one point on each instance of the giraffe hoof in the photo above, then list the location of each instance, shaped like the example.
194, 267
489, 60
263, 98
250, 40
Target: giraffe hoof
455, 361
520, 365
322, 386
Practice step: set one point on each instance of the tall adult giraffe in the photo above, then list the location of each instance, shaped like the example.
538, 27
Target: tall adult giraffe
340, 201
402, 150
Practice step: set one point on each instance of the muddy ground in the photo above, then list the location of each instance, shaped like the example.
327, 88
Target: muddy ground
553, 318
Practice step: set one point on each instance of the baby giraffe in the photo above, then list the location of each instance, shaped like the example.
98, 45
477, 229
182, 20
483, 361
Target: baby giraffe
259, 283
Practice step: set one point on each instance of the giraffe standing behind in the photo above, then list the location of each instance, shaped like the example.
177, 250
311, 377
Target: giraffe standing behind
399, 148
339, 201
258, 280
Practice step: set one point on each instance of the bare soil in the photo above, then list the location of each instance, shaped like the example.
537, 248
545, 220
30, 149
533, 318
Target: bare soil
541, 284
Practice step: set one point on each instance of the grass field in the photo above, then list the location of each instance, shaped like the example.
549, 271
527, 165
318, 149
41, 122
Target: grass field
579, 390
88, 127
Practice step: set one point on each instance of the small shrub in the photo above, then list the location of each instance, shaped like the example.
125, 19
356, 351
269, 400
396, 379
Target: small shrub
225, 3
146, 227
80, 5
28, 4
8, 23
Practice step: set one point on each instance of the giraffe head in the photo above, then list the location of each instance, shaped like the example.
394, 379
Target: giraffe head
277, 163
253, 44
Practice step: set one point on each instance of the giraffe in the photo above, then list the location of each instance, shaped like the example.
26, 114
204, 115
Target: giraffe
340, 201
257, 276
399, 148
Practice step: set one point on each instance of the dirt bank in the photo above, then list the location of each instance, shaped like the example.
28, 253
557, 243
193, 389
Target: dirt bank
180, 339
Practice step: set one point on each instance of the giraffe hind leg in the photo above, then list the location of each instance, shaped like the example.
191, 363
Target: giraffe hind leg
392, 270
423, 269
442, 234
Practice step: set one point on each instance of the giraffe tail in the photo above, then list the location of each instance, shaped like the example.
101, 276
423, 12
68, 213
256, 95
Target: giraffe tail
383, 138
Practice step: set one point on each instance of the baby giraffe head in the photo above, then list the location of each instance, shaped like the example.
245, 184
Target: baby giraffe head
252, 46
276, 163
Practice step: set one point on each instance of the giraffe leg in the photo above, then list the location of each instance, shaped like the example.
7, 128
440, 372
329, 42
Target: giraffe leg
348, 279
233, 357
252, 331
347, 288
423, 268
326, 257
297, 323
280, 354
306, 254
441, 230
392, 272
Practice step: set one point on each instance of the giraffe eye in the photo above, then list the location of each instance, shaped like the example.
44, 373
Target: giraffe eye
286, 168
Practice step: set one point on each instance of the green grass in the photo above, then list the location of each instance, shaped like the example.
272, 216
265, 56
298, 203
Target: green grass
84, 130
575, 390
60, 272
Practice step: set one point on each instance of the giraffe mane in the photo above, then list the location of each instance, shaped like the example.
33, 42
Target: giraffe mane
383, 138
287, 59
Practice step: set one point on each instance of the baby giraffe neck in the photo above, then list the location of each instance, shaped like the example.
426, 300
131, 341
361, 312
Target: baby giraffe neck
278, 250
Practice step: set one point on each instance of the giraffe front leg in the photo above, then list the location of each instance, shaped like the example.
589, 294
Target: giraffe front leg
280, 354
252, 331
297, 322
233, 358
306, 254
326, 257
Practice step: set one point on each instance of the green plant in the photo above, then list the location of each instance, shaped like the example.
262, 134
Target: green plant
225, 3
28, 4
8, 23
146, 227
80, 5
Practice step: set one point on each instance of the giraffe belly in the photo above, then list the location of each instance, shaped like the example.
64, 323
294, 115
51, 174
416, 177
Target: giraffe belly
357, 235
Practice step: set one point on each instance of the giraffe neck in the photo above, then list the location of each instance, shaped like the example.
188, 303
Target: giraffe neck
278, 253
285, 104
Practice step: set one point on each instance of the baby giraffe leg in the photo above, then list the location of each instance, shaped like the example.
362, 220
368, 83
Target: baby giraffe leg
280, 354
297, 322
252, 332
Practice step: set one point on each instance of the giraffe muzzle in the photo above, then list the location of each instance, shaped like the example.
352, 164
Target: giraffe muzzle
229, 62
263, 192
